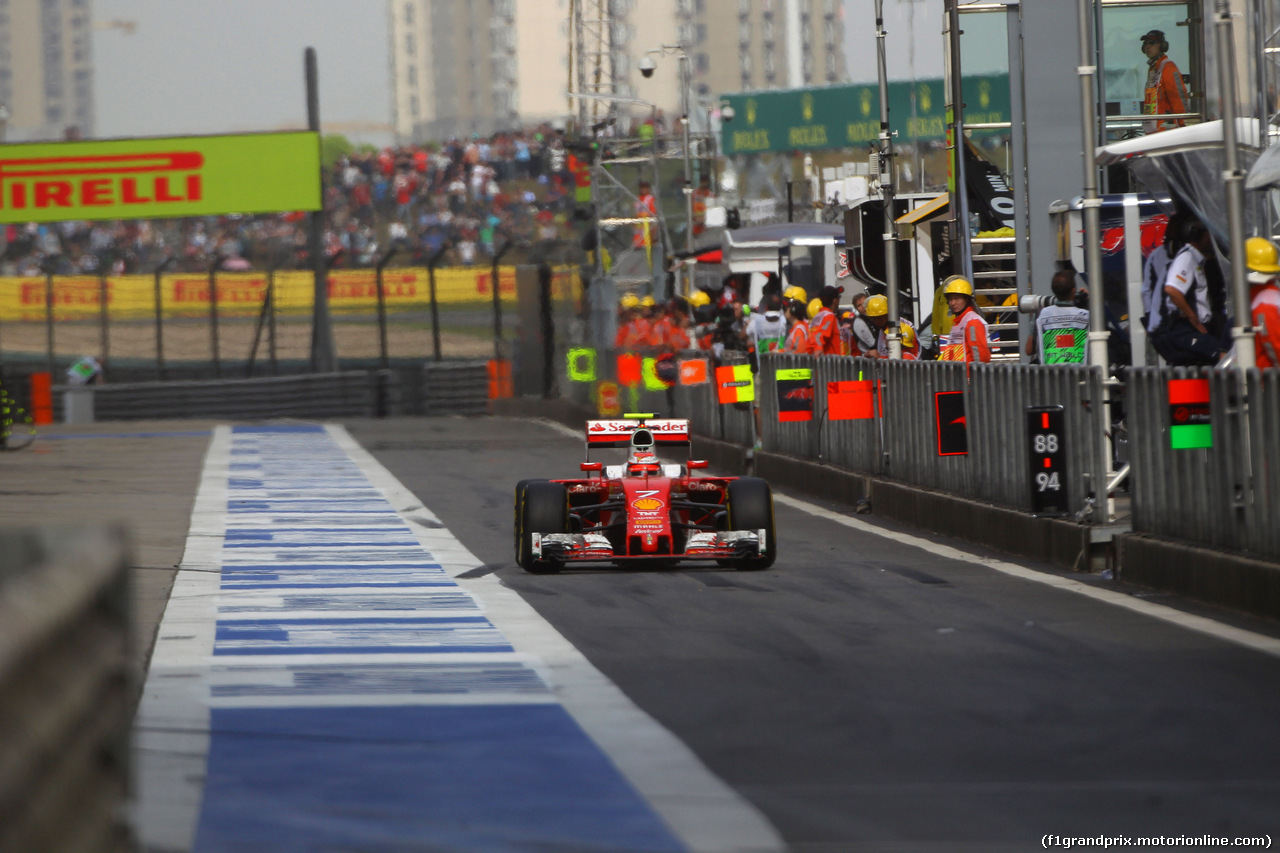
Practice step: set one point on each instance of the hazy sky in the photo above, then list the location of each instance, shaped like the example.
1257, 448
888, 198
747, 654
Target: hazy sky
913, 46
223, 66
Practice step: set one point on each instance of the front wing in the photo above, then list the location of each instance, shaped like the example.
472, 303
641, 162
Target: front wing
595, 547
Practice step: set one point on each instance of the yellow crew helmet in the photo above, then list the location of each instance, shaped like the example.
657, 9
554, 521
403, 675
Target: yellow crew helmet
957, 284
908, 335
815, 305
629, 301
795, 293
877, 306
1261, 255
699, 298
647, 302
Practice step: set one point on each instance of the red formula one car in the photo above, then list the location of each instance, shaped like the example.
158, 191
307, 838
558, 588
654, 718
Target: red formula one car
643, 509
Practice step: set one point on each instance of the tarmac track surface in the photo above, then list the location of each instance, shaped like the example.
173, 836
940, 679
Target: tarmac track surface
866, 694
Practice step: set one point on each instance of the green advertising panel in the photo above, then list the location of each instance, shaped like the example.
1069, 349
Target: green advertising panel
156, 178
849, 116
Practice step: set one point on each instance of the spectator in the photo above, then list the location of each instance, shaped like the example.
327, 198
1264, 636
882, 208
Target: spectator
1062, 329
701, 198
646, 210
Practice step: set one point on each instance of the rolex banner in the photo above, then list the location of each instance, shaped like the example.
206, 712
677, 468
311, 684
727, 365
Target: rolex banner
795, 395
734, 384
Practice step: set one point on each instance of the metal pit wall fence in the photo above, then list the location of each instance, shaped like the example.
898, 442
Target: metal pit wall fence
1226, 495
903, 444
585, 370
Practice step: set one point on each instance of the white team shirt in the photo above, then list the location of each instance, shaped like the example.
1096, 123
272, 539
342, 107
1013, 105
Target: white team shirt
1186, 274
766, 327
1066, 330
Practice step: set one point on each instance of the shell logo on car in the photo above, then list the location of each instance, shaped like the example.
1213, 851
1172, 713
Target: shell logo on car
647, 503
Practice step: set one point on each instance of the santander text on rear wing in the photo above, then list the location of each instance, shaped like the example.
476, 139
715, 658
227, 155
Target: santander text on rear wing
669, 432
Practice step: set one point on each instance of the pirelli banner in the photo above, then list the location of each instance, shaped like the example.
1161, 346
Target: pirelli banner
187, 294
156, 178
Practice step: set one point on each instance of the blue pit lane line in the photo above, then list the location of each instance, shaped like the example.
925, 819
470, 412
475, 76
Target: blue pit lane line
308, 756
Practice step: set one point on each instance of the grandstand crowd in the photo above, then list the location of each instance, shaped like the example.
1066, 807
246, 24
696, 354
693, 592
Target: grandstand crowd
463, 197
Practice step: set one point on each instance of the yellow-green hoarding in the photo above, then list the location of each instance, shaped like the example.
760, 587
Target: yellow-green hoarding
155, 178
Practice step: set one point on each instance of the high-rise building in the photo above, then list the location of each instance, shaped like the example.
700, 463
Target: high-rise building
780, 44
479, 66
46, 69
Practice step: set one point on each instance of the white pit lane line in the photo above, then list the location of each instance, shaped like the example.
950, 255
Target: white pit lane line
1239, 636
704, 812
1249, 639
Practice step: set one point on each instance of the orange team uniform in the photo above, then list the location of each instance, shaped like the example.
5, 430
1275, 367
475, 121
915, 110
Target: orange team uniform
968, 339
646, 208
797, 338
824, 334
700, 197
633, 334
1266, 322
677, 339
1165, 93
668, 336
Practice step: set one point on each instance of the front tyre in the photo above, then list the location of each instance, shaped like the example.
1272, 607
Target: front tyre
519, 516
543, 509
750, 506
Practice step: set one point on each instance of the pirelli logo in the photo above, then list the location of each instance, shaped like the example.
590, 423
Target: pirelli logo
40, 183
153, 178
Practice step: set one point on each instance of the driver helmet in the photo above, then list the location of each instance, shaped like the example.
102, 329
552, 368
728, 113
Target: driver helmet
642, 459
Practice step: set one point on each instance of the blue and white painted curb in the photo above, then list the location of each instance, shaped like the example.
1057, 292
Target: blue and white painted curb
323, 678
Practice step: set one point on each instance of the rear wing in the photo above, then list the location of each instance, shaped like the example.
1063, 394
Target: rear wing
667, 432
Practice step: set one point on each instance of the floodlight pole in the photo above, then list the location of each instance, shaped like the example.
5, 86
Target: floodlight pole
1233, 178
961, 250
1091, 207
892, 333
1091, 202
323, 357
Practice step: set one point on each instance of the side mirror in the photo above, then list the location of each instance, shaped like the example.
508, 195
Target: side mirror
592, 466
696, 463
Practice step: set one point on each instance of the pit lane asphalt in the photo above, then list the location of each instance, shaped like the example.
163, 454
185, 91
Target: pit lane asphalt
869, 695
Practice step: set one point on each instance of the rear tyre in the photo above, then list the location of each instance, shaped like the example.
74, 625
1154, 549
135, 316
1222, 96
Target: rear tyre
543, 509
750, 505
